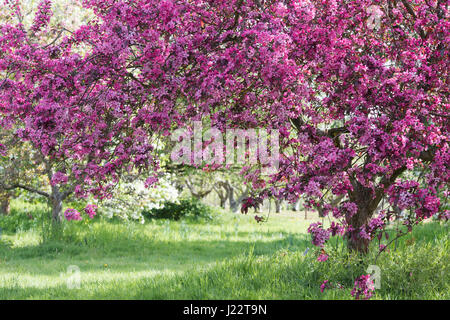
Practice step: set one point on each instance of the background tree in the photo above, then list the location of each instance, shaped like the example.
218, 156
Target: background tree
61, 103
20, 170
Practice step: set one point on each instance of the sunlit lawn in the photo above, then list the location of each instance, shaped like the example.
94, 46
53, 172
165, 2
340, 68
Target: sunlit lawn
232, 257
113, 256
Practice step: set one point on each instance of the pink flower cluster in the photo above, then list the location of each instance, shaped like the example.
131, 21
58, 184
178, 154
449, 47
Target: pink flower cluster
322, 257
363, 288
59, 178
319, 234
369, 230
90, 210
336, 229
326, 284
72, 214
445, 216
3, 150
250, 202
408, 195
43, 15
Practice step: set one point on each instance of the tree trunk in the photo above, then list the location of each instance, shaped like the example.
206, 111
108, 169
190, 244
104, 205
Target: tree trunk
221, 188
277, 206
5, 205
235, 203
367, 205
320, 211
232, 202
354, 241
223, 201
198, 194
56, 201
296, 206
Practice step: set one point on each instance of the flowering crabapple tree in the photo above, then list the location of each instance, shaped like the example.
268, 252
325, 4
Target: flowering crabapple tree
377, 109
374, 106
76, 109
359, 100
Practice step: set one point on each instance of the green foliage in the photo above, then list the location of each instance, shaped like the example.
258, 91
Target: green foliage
186, 208
23, 217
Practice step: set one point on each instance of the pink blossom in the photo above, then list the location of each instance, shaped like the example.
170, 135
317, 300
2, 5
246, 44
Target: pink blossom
43, 15
319, 235
322, 257
3, 150
59, 178
363, 288
72, 214
90, 210
325, 285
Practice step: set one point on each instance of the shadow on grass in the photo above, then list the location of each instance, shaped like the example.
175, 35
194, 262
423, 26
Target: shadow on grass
139, 255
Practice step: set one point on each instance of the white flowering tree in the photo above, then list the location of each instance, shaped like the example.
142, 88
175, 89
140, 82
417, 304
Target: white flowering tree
130, 198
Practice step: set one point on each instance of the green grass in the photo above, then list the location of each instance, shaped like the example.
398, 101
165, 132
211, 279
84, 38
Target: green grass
231, 257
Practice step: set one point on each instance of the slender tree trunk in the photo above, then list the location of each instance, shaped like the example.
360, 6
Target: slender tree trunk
296, 206
5, 204
223, 201
235, 203
320, 211
277, 206
232, 202
56, 201
221, 188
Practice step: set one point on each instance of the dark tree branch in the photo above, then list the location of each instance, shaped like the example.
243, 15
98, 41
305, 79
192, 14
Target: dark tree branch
24, 187
440, 115
413, 14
